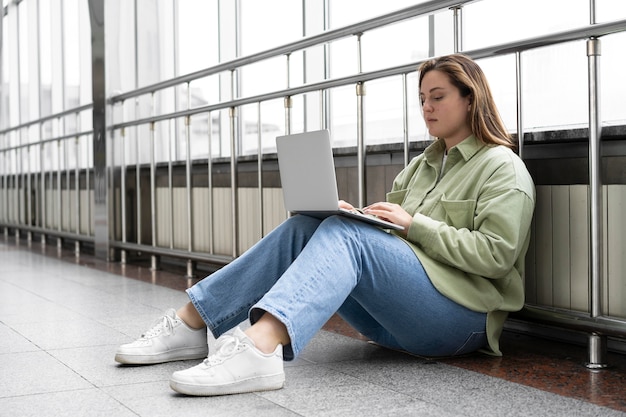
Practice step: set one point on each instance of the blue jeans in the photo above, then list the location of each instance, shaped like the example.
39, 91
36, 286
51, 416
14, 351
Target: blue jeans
307, 269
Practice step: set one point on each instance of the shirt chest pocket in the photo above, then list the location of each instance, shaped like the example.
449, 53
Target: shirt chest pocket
459, 213
397, 197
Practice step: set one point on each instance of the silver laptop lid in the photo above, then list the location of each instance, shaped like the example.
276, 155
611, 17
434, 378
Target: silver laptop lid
307, 171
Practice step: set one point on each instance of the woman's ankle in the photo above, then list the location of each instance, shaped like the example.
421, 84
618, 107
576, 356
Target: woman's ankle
191, 317
267, 333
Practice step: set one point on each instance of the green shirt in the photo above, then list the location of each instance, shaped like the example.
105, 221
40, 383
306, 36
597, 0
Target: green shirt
471, 227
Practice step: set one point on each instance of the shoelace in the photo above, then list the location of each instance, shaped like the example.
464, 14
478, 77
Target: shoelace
165, 323
224, 350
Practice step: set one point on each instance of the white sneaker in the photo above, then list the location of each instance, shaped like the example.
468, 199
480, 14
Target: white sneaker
237, 366
170, 339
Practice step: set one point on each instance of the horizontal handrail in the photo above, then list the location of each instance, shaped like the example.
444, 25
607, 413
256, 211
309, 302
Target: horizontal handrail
585, 32
327, 36
49, 140
597, 30
44, 119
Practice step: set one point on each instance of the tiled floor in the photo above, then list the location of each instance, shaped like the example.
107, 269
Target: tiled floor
61, 319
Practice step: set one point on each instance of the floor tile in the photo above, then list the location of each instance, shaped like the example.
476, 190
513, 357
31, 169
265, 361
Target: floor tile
157, 399
29, 373
83, 403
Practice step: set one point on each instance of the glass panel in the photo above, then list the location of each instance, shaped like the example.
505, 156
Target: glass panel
396, 44
250, 130
610, 10
57, 95
270, 75
4, 80
199, 136
344, 58
71, 64
612, 83
205, 91
343, 116
23, 48
500, 73
33, 63
264, 76
344, 13
416, 124
443, 42
84, 45
269, 23
155, 56
273, 122
12, 74
555, 86
120, 46
493, 22
45, 59
197, 46
383, 111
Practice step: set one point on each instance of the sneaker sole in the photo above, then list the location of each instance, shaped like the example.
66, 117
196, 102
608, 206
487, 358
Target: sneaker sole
263, 383
182, 355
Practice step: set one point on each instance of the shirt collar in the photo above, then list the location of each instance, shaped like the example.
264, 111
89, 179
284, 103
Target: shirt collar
467, 149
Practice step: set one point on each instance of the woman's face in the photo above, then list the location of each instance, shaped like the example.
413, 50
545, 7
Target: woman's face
445, 111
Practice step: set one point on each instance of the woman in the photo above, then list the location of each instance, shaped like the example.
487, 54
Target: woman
442, 286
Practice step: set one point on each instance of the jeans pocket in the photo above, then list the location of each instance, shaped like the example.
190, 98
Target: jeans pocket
474, 341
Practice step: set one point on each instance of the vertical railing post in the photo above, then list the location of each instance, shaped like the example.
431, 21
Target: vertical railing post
458, 28
77, 200
234, 154
124, 220
287, 102
88, 165
190, 263
360, 145
170, 178
18, 185
210, 182
29, 207
261, 209
42, 204
360, 130
138, 176
405, 119
77, 185
51, 184
234, 200
325, 94
520, 109
3, 201
597, 343
154, 259
59, 196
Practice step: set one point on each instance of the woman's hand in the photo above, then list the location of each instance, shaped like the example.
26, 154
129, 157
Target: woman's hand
346, 206
391, 212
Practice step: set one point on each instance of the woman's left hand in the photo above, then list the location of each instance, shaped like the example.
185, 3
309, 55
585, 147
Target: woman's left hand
391, 212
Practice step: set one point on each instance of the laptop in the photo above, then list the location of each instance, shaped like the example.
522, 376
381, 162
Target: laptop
307, 175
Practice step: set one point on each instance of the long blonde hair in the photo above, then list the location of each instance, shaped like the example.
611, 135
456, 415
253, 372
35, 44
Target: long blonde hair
468, 77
